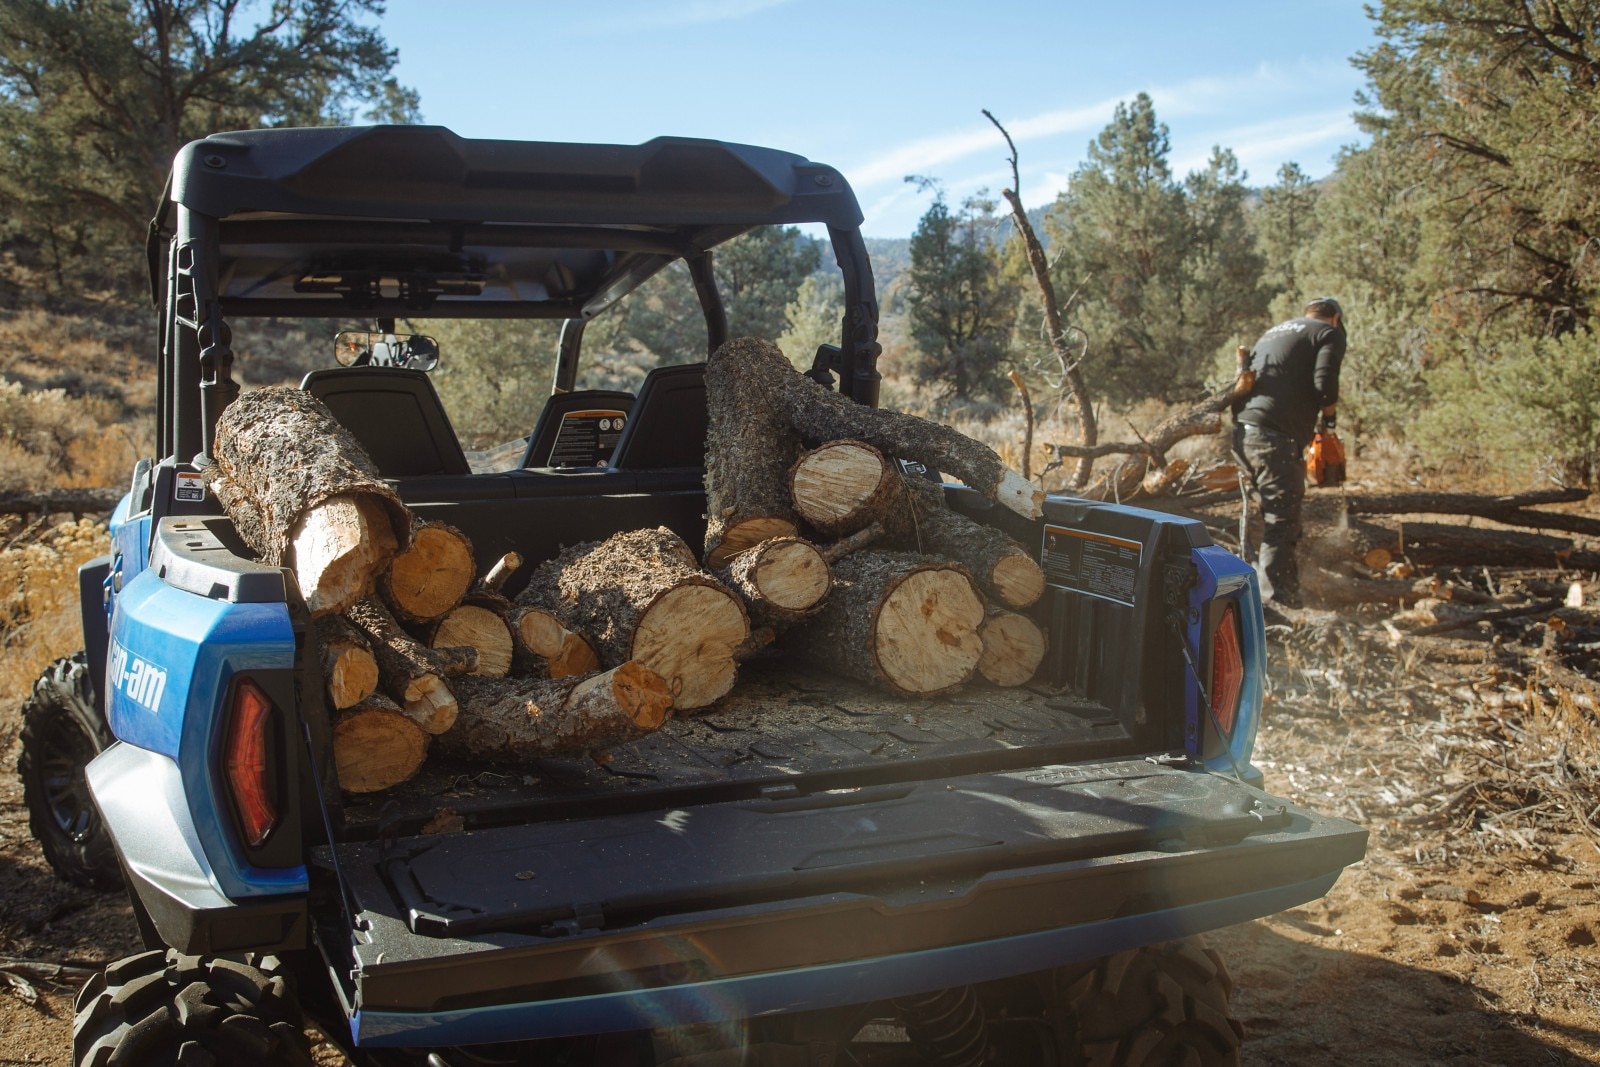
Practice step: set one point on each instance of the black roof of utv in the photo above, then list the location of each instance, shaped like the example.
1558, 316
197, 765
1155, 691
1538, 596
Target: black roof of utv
414, 219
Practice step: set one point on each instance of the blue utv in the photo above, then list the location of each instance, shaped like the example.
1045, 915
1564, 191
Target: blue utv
999, 876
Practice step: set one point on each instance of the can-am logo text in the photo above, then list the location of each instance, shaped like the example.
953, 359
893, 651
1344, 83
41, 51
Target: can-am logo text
139, 681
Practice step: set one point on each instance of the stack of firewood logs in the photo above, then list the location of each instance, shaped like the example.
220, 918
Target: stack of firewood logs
818, 542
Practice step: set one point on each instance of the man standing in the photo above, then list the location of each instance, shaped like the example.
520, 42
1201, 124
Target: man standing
1296, 364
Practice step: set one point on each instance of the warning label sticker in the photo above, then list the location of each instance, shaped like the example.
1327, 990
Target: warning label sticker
587, 438
190, 487
1091, 563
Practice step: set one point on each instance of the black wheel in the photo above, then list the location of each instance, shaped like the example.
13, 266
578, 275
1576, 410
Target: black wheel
161, 1008
61, 733
1153, 1007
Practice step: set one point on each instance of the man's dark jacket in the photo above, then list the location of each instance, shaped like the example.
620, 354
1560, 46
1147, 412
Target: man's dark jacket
1297, 375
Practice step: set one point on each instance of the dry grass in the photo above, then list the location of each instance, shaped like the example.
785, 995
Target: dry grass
39, 619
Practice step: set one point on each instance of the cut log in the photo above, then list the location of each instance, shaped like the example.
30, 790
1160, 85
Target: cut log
515, 719
282, 461
376, 746
780, 581
479, 621
847, 485
761, 379
1013, 647
843, 486
641, 596
904, 622
350, 671
560, 652
432, 575
432, 704
335, 550
409, 671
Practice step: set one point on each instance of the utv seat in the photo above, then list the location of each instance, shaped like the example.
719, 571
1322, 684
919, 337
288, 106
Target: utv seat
578, 429
668, 424
395, 414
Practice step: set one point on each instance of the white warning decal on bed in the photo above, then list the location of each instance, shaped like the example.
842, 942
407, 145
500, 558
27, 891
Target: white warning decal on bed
139, 681
189, 487
1095, 564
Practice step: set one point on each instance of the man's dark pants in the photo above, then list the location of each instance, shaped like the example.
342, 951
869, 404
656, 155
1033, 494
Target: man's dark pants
1279, 473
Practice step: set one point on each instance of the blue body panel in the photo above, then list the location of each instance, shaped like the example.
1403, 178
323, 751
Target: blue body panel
173, 656
1222, 575
814, 988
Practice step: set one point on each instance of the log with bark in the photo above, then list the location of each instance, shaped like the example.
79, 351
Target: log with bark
348, 665
640, 595
302, 493
515, 719
550, 649
905, 622
760, 407
780, 581
431, 575
479, 622
846, 485
1013, 647
377, 746
409, 671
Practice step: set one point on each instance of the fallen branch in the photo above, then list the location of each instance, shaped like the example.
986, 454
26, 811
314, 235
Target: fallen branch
61, 501
1487, 616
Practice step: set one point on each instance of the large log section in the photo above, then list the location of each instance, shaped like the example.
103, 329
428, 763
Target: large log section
640, 595
377, 746
303, 494
758, 405
904, 622
511, 719
431, 575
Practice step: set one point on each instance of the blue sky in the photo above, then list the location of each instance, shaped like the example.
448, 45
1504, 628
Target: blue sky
883, 90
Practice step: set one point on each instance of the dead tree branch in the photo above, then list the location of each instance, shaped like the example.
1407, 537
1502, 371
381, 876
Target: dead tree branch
1088, 430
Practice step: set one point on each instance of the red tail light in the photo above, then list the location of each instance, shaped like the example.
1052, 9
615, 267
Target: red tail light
246, 761
1227, 670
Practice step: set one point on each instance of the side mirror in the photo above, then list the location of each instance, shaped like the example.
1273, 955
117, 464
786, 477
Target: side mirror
364, 348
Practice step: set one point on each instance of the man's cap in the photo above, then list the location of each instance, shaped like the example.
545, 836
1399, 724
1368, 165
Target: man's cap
1324, 306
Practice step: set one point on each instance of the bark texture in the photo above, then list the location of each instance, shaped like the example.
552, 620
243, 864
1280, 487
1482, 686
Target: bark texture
750, 446
514, 719
905, 622
280, 453
408, 670
376, 746
641, 596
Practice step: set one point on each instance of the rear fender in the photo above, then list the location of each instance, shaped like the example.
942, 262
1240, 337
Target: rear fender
175, 657
1222, 578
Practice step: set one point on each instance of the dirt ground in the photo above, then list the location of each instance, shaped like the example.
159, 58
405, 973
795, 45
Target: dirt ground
1468, 935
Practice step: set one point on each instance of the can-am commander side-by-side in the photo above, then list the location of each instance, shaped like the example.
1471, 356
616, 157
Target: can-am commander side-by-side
995, 875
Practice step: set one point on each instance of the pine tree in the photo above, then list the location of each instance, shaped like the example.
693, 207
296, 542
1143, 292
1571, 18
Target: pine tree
1285, 226
1166, 272
96, 96
960, 303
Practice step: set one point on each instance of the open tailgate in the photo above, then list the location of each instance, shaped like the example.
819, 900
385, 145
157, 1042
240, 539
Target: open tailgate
800, 900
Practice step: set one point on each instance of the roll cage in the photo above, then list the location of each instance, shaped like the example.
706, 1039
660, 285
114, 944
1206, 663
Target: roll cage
390, 221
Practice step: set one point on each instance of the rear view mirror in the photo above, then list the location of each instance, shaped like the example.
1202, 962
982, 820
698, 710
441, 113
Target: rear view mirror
365, 348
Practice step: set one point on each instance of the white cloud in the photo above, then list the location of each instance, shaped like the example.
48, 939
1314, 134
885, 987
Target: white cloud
666, 16
1262, 147
1196, 97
